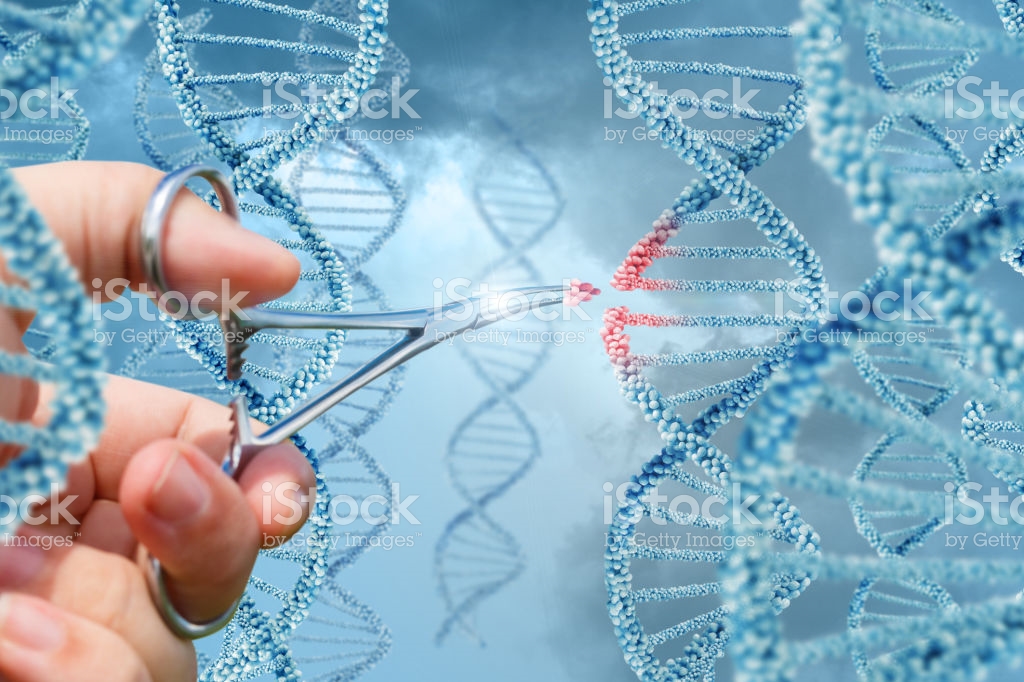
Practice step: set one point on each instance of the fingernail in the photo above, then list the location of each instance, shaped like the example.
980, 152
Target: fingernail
179, 492
26, 624
19, 564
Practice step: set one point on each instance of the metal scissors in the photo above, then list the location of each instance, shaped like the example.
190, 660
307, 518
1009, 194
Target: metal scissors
424, 329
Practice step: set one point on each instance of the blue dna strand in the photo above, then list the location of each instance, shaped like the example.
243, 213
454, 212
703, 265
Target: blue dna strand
357, 414
256, 644
340, 638
65, 43
778, 261
692, 394
351, 195
1012, 15
688, 620
349, 192
901, 611
898, 378
253, 160
978, 427
266, 142
913, 203
902, 621
74, 369
228, 114
892, 179
631, 62
495, 445
63, 40
160, 361
349, 637
393, 71
56, 130
910, 182
167, 140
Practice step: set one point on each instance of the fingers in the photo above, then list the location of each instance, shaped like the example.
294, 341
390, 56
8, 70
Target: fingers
279, 499
194, 519
139, 413
42, 643
106, 590
97, 212
197, 521
104, 527
21, 395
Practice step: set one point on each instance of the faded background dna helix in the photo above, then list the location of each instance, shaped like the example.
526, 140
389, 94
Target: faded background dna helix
729, 166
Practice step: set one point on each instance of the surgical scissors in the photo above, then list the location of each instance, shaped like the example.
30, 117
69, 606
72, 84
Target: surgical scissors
424, 328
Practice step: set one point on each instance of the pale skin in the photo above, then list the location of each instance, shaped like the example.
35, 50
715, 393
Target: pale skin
84, 612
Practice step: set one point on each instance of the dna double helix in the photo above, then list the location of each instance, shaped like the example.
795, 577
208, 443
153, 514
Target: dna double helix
939, 224
55, 130
900, 493
184, 115
356, 201
42, 123
735, 334
62, 42
495, 445
903, 622
941, 220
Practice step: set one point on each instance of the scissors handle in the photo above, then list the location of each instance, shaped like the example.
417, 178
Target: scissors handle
154, 224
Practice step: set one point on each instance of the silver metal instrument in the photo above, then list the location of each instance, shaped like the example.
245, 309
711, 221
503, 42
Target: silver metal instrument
424, 329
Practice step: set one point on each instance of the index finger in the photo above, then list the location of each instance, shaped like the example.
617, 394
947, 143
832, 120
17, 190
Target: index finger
140, 413
97, 211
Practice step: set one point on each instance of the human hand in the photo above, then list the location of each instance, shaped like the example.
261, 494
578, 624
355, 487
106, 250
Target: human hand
84, 612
